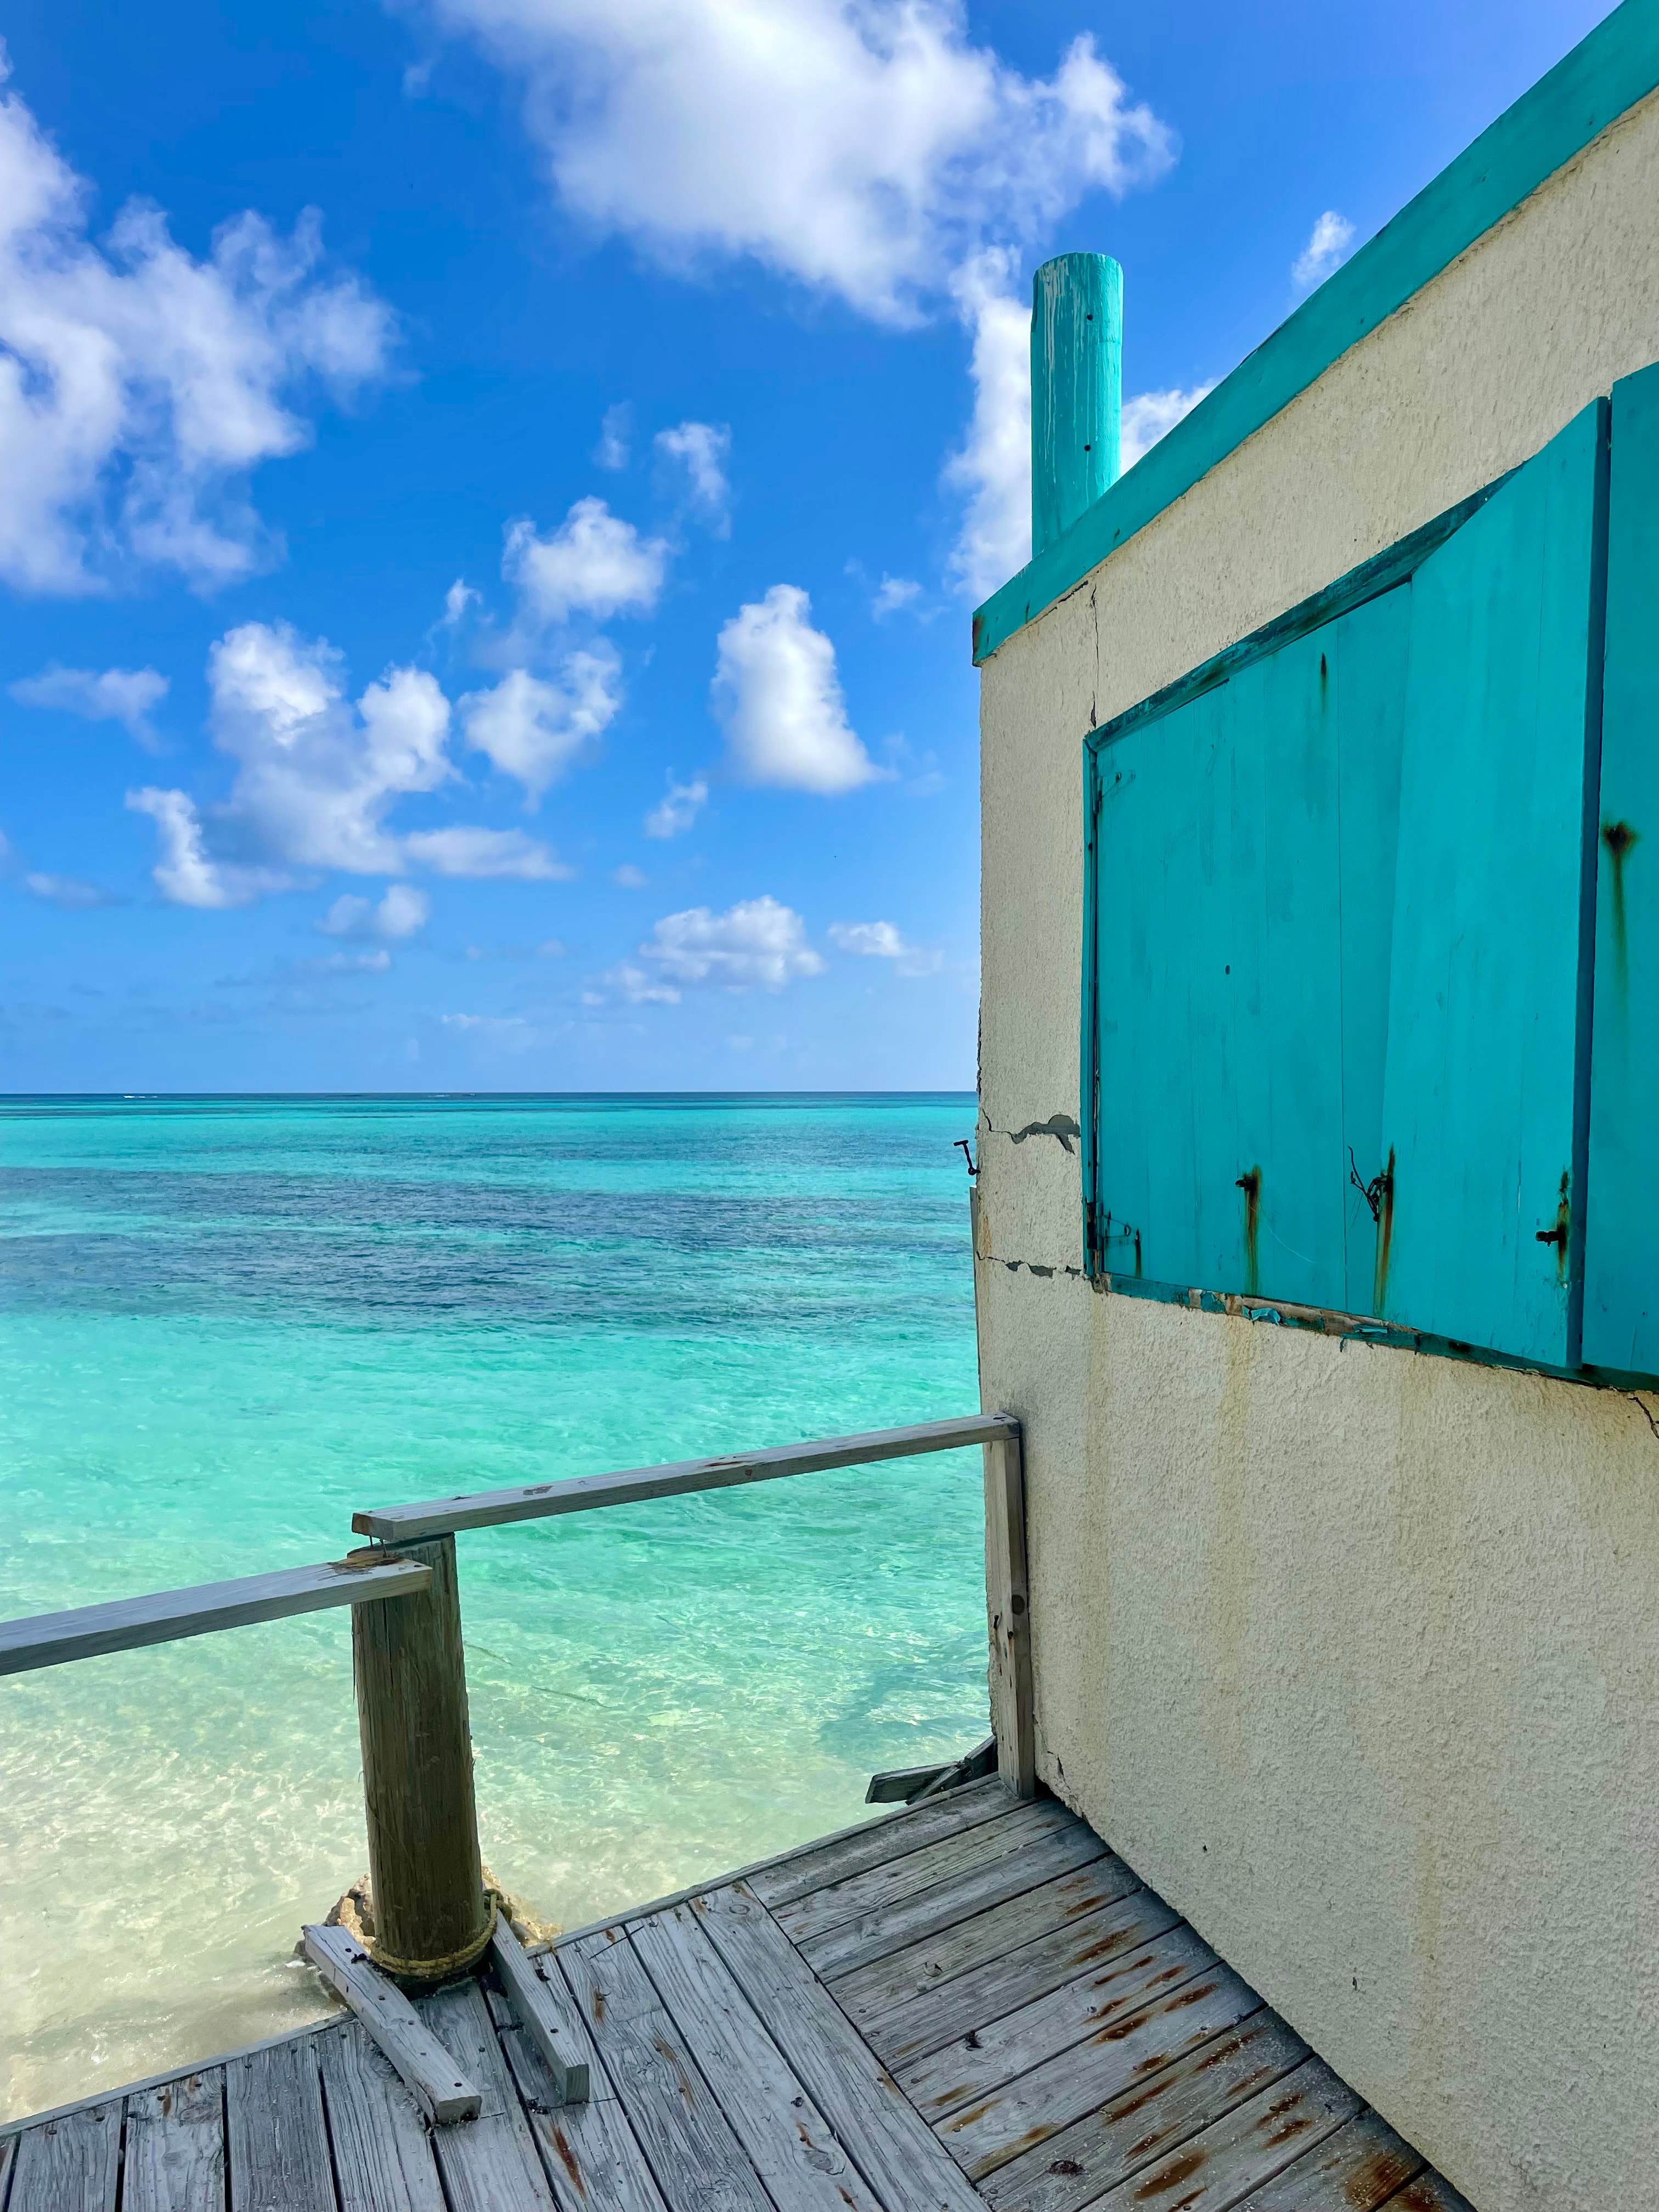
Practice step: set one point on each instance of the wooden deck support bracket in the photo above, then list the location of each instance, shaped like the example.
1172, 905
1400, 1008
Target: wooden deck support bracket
441, 2088
527, 1994
432, 1919
1008, 1614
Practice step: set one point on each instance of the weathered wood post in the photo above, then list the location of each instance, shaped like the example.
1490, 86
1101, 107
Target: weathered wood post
1077, 388
431, 1917
1008, 1616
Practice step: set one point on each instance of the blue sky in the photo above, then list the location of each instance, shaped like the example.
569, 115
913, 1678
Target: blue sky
491, 495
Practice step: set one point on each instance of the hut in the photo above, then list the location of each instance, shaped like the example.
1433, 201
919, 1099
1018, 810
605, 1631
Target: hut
1317, 1214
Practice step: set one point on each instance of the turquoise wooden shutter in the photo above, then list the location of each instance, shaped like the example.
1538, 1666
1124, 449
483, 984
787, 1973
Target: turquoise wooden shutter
1243, 873
1621, 1248
1484, 1096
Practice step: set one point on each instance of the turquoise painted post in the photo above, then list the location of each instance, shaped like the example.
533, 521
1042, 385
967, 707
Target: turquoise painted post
1077, 388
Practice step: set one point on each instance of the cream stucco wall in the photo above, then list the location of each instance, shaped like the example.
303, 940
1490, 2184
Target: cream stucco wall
1353, 1652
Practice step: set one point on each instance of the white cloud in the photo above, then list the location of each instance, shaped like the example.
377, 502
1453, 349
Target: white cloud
1149, 415
112, 694
615, 431
533, 728
778, 696
67, 891
892, 594
595, 563
678, 809
627, 877
139, 386
401, 913
701, 449
882, 941
345, 964
458, 600
757, 942
511, 1031
1326, 249
184, 874
993, 469
637, 986
486, 852
863, 147
316, 779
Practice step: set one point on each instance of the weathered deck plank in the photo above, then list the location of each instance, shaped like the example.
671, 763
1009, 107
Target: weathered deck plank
841, 1857
1002, 1985
383, 2158
791, 2145
1359, 2168
440, 2087
995, 2051
1430, 2192
591, 2154
818, 1910
895, 2148
70, 2162
1222, 2165
1074, 2169
922, 1912
489, 2164
877, 1991
274, 2131
696, 2158
1039, 2104
174, 2157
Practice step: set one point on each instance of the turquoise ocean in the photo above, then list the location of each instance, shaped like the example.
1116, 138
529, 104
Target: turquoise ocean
226, 1322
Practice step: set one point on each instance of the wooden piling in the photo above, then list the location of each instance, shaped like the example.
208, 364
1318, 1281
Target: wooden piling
431, 1917
1008, 1616
1076, 383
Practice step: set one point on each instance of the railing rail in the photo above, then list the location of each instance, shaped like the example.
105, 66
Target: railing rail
127, 1624
432, 1916
537, 1501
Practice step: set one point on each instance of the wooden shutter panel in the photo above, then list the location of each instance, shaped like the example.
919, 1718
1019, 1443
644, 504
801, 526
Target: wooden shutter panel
1242, 873
1485, 1107
1621, 1247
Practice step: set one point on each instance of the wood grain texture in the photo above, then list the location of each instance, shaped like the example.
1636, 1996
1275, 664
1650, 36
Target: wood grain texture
591, 2156
442, 2091
409, 1664
896, 2151
70, 2165
892, 1838
1360, 2167
382, 2148
1223, 2163
128, 1624
1008, 1616
533, 2006
791, 2145
1074, 2169
985, 2135
174, 2156
875, 1995
1002, 1984
490, 2164
1077, 382
537, 1501
698, 2159
822, 1909
1430, 2192
986, 2056
854, 1942
274, 2131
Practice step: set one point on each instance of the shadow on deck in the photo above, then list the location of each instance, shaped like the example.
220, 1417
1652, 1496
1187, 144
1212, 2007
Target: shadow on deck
971, 2004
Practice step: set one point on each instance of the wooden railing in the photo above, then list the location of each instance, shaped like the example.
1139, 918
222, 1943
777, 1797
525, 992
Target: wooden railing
431, 1917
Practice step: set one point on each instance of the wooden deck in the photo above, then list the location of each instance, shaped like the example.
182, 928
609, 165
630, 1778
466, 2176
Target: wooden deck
971, 2004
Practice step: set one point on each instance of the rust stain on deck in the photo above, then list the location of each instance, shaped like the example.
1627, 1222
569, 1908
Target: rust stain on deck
1171, 2176
1372, 2181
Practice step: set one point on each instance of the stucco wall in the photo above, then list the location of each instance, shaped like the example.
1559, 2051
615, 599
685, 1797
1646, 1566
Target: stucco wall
1353, 1652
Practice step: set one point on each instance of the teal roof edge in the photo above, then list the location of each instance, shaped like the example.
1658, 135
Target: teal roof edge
1603, 77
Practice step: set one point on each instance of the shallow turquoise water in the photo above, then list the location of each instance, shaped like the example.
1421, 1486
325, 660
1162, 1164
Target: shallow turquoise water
224, 1323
